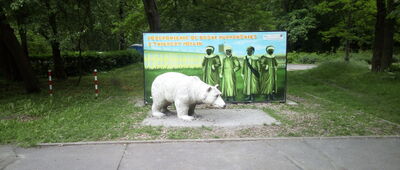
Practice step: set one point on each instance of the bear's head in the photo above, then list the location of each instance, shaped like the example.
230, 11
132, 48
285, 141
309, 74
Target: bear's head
212, 96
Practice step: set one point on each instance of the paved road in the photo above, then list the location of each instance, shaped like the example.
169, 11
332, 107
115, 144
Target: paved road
294, 67
284, 153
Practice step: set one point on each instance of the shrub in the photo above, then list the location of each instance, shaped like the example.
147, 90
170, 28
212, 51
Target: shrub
88, 61
395, 67
307, 58
312, 58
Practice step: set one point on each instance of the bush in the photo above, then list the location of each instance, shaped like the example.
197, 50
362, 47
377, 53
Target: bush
312, 58
90, 60
395, 67
306, 58
395, 70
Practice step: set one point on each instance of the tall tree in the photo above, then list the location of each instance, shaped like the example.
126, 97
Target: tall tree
384, 32
21, 16
20, 12
352, 22
387, 55
52, 10
133, 24
121, 13
153, 17
12, 53
298, 23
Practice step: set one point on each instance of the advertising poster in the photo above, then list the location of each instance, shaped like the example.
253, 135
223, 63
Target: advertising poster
247, 66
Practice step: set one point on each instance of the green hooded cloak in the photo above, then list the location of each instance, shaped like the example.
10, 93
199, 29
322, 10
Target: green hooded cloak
230, 65
268, 83
210, 66
251, 81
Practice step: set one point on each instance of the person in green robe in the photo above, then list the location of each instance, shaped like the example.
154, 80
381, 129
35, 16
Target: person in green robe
269, 66
210, 66
230, 65
250, 74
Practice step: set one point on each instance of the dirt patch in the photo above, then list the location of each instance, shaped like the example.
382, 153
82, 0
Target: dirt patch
295, 98
21, 118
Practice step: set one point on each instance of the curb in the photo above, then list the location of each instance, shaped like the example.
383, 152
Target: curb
211, 140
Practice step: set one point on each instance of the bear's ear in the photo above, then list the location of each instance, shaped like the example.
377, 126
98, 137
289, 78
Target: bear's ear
209, 89
216, 86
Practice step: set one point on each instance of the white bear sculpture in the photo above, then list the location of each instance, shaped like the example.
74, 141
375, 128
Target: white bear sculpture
185, 91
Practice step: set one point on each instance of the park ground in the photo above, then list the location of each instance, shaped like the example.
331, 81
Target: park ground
334, 99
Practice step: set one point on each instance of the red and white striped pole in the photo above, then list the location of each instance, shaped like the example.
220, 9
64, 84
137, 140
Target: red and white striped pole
50, 83
96, 83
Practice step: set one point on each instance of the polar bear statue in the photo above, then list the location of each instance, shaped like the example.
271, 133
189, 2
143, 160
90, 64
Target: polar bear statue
185, 91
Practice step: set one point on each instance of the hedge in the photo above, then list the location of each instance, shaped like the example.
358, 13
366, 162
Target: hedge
88, 61
312, 58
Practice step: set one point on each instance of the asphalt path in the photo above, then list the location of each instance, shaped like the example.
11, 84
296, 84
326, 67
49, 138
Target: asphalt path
270, 153
295, 67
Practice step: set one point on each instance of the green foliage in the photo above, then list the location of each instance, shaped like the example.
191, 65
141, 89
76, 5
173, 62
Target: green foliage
303, 58
314, 58
298, 23
395, 67
37, 44
133, 24
354, 20
88, 61
101, 25
201, 16
395, 70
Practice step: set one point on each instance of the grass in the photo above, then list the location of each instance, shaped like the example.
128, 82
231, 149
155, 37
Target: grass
73, 113
335, 99
350, 85
342, 99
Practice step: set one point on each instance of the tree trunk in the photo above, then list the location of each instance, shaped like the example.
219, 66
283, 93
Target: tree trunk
387, 54
379, 36
22, 33
153, 17
59, 71
21, 16
79, 59
122, 45
347, 55
24, 41
8, 66
349, 24
90, 35
11, 51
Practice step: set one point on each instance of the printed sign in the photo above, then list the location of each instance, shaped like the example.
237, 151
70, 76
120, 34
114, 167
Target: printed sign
247, 66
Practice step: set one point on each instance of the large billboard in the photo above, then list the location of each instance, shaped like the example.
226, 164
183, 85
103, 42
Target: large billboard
247, 66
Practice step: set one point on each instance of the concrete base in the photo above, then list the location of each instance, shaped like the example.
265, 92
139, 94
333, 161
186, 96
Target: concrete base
215, 117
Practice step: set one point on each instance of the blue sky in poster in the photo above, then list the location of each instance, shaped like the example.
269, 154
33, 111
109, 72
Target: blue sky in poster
239, 46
